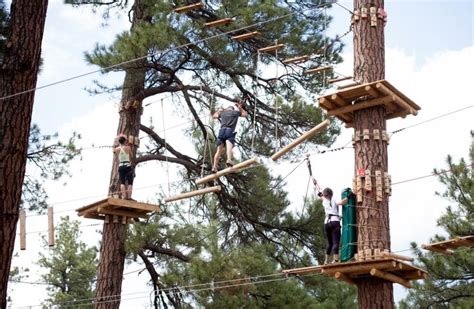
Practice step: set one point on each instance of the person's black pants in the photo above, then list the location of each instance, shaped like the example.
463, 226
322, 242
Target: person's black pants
332, 229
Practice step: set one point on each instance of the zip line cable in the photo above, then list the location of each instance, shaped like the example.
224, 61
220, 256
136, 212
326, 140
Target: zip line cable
300, 162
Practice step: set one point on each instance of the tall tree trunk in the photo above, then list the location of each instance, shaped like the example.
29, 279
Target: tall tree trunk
18, 73
372, 217
112, 251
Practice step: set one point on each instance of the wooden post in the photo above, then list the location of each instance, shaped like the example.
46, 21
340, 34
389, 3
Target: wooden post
22, 229
192, 193
301, 139
232, 169
50, 227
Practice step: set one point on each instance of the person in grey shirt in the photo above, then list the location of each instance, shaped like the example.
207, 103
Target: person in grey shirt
228, 118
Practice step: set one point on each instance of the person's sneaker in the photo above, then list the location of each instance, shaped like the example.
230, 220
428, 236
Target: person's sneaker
229, 163
214, 171
131, 199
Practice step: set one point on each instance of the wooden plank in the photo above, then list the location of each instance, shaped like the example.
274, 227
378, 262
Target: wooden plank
302, 270
300, 139
340, 79
245, 36
94, 216
232, 169
362, 267
318, 69
344, 277
92, 205
22, 229
219, 22
390, 277
436, 249
414, 274
271, 48
120, 212
187, 8
192, 193
50, 227
359, 106
351, 85
133, 204
296, 60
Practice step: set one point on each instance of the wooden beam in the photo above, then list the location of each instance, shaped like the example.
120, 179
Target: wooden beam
232, 169
121, 212
354, 84
271, 48
50, 227
301, 139
340, 79
192, 193
296, 60
318, 69
219, 22
360, 105
337, 98
390, 277
397, 256
245, 36
22, 229
371, 91
344, 277
385, 90
92, 216
414, 275
187, 8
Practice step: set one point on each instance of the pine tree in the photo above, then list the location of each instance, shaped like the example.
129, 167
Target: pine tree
70, 267
18, 72
181, 59
450, 283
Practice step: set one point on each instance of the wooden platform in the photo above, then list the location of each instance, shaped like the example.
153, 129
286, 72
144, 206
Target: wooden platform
387, 268
340, 103
447, 246
117, 207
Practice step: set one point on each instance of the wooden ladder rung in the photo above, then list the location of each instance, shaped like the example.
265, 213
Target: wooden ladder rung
318, 69
296, 60
340, 79
188, 8
219, 22
271, 48
245, 36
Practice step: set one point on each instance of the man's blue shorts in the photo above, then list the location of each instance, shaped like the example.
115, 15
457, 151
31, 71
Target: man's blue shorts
226, 134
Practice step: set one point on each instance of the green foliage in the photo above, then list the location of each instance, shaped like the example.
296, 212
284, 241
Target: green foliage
451, 278
70, 266
47, 158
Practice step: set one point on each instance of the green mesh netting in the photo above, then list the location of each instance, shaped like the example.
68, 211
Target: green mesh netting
349, 231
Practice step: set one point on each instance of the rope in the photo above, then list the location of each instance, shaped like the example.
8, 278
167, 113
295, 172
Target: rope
164, 135
254, 128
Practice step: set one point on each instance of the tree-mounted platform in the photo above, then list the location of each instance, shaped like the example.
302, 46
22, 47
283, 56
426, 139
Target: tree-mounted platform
387, 268
341, 104
447, 246
117, 208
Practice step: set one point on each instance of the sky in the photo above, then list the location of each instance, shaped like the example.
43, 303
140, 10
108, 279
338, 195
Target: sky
429, 57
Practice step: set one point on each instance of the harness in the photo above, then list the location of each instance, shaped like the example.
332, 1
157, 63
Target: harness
124, 157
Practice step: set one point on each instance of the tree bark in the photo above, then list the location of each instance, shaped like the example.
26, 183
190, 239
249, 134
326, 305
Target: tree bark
18, 73
372, 217
112, 251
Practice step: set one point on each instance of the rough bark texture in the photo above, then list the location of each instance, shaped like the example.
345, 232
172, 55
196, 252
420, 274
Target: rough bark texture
112, 251
18, 73
372, 217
